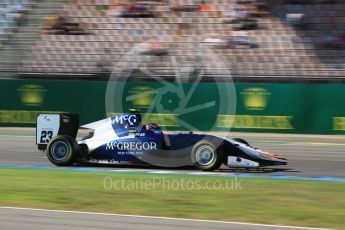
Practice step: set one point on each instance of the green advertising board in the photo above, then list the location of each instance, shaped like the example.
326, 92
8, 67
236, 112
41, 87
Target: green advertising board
283, 108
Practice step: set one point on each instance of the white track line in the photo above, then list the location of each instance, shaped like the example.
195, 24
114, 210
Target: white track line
160, 218
13, 135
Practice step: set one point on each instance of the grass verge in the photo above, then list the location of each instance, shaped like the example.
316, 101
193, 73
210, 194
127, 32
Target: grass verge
286, 202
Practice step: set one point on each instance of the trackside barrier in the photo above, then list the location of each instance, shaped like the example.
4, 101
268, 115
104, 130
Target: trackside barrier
281, 108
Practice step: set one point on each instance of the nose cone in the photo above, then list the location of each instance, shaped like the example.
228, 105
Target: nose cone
275, 158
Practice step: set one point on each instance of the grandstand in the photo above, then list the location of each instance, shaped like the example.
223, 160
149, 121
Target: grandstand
20, 22
256, 38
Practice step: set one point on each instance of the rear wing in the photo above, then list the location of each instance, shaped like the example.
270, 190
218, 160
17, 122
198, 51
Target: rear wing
50, 125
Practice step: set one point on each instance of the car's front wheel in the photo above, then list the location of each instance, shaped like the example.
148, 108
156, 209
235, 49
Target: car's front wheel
63, 150
206, 156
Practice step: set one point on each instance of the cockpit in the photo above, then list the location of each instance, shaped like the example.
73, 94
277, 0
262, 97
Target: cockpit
153, 127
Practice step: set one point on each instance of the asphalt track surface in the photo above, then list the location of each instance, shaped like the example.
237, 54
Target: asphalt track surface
33, 219
308, 155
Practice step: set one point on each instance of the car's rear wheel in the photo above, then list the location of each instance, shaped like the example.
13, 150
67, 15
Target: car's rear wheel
206, 156
63, 151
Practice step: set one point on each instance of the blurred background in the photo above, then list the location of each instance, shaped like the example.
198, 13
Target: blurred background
279, 65
299, 44
292, 38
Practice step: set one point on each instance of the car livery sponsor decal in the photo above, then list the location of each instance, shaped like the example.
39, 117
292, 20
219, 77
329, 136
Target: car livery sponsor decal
122, 124
131, 148
140, 134
130, 119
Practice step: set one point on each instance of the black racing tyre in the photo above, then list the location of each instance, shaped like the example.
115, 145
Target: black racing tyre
206, 156
63, 150
241, 141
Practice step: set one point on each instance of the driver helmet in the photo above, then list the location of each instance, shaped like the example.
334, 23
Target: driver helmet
154, 127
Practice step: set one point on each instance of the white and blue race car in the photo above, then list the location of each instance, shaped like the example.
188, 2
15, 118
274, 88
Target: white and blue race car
124, 139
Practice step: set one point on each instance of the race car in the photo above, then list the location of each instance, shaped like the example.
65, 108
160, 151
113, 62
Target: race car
124, 139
